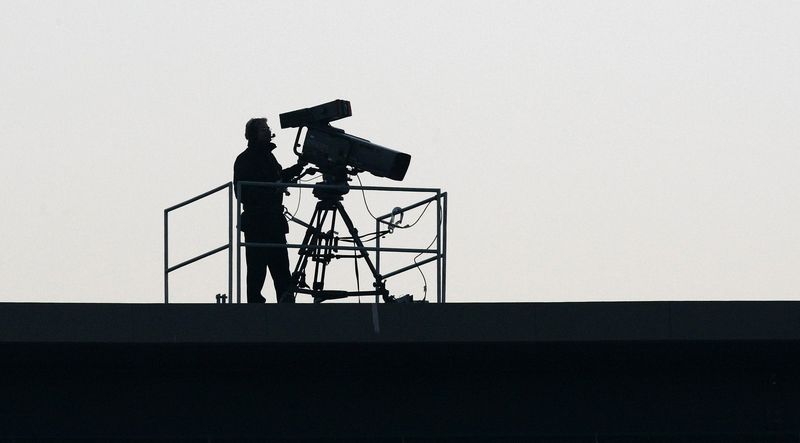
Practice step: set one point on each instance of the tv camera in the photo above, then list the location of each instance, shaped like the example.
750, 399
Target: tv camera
333, 151
336, 155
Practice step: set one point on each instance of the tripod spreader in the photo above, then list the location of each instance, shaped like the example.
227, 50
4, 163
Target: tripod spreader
321, 245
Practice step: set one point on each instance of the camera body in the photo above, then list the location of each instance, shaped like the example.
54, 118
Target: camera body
331, 149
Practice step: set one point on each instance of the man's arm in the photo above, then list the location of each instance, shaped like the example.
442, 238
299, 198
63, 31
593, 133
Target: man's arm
292, 173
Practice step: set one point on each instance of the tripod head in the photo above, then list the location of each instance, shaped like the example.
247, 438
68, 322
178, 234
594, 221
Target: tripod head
335, 183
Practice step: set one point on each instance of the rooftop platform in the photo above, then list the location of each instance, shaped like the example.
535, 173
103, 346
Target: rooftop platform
630, 371
399, 323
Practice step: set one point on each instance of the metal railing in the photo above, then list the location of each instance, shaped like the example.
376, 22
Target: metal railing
437, 254
168, 269
441, 242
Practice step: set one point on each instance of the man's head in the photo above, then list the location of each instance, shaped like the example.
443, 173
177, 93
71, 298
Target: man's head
257, 130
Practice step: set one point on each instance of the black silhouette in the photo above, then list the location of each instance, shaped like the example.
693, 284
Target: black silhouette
323, 244
337, 156
262, 218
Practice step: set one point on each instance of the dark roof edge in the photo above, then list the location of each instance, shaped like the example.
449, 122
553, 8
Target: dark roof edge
399, 323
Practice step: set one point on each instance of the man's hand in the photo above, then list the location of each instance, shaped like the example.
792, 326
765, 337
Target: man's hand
294, 171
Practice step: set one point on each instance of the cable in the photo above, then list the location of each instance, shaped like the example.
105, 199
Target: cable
418, 218
300, 193
364, 195
419, 268
299, 198
391, 225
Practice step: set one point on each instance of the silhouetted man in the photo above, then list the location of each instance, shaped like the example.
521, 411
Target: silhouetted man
262, 217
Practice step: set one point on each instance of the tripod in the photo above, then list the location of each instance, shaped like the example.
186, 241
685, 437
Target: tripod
321, 246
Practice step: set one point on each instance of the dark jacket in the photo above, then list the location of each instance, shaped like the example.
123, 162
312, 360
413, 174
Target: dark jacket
263, 206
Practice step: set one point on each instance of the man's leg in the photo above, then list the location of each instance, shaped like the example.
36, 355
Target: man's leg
279, 268
257, 259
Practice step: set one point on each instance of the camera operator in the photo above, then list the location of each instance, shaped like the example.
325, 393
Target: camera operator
262, 217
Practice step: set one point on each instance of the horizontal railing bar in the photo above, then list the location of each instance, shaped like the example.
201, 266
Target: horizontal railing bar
194, 199
317, 186
308, 291
199, 257
408, 208
343, 248
409, 267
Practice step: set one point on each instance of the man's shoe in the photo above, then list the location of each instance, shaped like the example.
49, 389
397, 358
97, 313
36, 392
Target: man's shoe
287, 297
260, 299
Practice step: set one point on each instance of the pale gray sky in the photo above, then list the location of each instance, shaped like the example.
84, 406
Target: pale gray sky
614, 150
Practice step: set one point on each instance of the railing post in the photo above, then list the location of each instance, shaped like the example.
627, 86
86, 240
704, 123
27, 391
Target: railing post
444, 249
166, 256
238, 245
438, 247
230, 242
167, 268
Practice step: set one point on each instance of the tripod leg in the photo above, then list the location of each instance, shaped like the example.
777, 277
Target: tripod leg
323, 256
379, 284
310, 238
322, 247
315, 237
